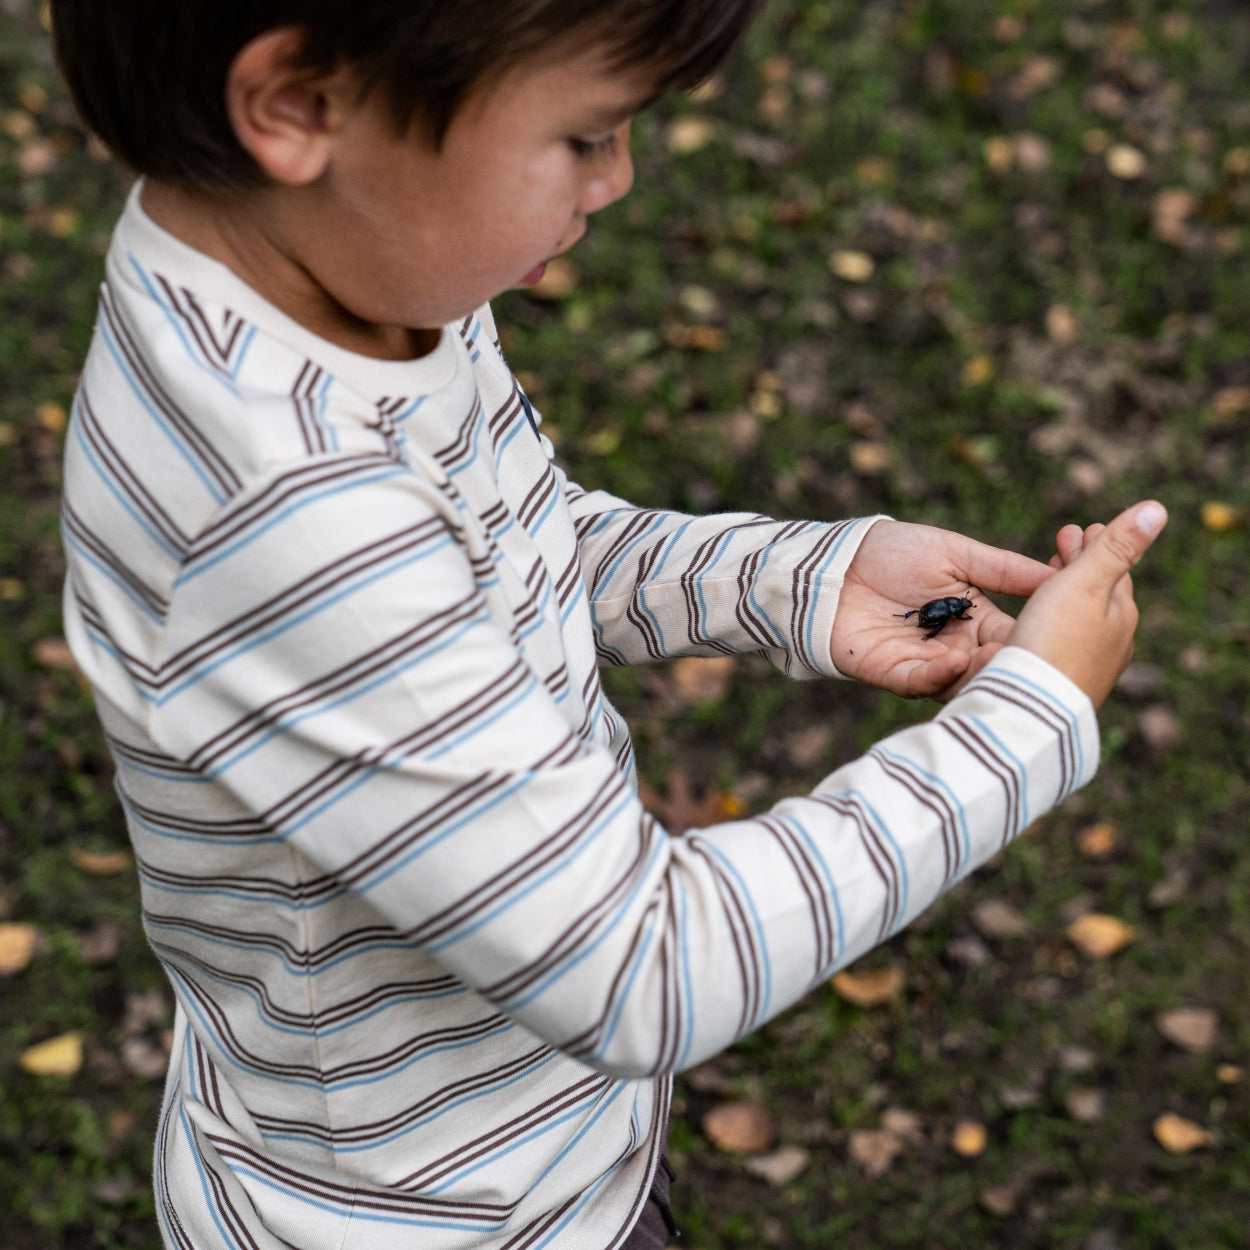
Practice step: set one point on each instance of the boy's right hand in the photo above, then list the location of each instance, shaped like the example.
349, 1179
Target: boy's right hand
1082, 619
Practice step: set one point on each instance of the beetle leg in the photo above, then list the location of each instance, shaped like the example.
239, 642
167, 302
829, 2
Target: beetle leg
905, 615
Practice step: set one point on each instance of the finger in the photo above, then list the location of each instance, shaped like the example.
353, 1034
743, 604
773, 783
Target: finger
929, 679
1055, 562
1069, 541
1092, 531
1116, 548
999, 571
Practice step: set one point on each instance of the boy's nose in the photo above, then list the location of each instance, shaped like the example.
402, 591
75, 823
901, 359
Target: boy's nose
615, 179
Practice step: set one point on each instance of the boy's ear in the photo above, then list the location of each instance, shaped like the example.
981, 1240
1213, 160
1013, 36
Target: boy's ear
282, 114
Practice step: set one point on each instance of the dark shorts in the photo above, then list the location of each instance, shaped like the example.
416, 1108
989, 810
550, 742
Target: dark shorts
655, 1228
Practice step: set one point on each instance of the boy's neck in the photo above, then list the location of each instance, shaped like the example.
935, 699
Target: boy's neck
243, 233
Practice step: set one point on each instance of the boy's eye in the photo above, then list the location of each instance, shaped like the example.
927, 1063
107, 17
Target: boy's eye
589, 149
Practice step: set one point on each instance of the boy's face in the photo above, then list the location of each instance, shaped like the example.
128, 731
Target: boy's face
401, 235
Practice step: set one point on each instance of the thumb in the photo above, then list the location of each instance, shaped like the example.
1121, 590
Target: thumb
1124, 541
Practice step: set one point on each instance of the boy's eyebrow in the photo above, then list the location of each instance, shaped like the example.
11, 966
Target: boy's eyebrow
609, 117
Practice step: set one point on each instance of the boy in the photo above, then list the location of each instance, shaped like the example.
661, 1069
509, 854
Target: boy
342, 614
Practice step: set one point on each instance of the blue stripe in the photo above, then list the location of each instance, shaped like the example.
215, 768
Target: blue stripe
900, 860
831, 889
1052, 700
106, 476
193, 568
938, 784
160, 420
204, 1186
120, 582
811, 619
260, 640
1022, 815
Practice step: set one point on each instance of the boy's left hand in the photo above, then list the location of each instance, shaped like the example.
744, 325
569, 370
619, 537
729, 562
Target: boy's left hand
900, 567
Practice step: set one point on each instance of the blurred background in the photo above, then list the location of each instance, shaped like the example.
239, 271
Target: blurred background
977, 263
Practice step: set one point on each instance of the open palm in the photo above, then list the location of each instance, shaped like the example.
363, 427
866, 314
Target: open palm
900, 567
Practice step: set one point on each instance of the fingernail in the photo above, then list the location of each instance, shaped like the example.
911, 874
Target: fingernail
1151, 518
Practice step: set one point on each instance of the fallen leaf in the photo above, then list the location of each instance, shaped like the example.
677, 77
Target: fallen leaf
1191, 1028
996, 919
1062, 325
1126, 162
1085, 1104
695, 338
852, 266
1178, 1135
36, 157
874, 1149
58, 1056
12, 589
709, 1078
699, 302
781, 1166
1001, 1200
1076, 1058
1231, 402
17, 947
905, 1125
739, 1127
870, 989
979, 370
144, 1058
1097, 841
1098, 936
1032, 153
1160, 728
52, 417
697, 680
1219, 516
805, 746
1171, 210
99, 946
969, 951
1228, 1074
869, 458
680, 809
100, 863
689, 134
969, 1139
999, 153
54, 653
1174, 886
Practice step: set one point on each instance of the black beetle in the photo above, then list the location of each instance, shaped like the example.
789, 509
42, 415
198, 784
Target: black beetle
938, 613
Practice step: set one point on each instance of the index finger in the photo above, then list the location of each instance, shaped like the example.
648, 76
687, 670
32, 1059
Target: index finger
1002, 572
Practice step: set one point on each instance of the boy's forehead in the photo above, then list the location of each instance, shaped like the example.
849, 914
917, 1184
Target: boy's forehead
583, 80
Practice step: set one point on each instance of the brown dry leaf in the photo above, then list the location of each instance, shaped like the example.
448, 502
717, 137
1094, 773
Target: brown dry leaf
999, 153
1097, 841
1086, 1105
698, 680
1032, 153
1231, 402
695, 338
54, 653
1061, 324
780, 1166
144, 1058
904, 1124
1228, 1074
17, 947
1191, 1028
1098, 936
58, 1056
1171, 210
979, 370
870, 989
36, 157
874, 1149
740, 1127
996, 919
1178, 1135
680, 809
101, 863
869, 458
1001, 1200
558, 282
100, 945
1160, 728
969, 1139
805, 746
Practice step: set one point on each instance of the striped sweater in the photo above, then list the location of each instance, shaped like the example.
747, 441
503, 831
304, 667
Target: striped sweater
433, 962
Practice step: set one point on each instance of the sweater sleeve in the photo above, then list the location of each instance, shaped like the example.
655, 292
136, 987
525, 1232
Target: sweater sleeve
376, 716
663, 584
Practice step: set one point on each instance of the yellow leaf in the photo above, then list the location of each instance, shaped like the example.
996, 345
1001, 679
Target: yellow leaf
1098, 936
1228, 1074
51, 416
58, 1056
1219, 516
699, 680
1230, 402
870, 989
11, 588
17, 947
742, 1127
1178, 1135
100, 863
969, 1139
852, 266
689, 134
1125, 161
979, 370
1097, 841
54, 653
999, 153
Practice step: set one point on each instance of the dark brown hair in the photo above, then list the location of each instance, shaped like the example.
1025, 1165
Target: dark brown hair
149, 76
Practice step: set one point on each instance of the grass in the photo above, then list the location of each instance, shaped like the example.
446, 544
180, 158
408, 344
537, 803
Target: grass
966, 149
